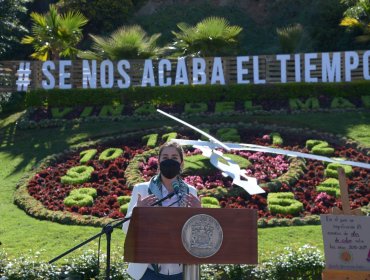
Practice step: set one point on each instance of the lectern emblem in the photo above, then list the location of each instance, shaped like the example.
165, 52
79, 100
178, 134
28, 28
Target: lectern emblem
202, 236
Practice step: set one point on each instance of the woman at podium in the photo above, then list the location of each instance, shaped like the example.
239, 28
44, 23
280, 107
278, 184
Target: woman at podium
165, 189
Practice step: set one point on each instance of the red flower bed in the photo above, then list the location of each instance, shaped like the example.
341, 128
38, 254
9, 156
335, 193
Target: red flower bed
109, 180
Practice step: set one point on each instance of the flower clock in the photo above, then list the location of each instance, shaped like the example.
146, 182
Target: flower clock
96, 181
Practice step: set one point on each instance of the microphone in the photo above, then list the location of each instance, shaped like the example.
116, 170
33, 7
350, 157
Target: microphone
176, 189
176, 186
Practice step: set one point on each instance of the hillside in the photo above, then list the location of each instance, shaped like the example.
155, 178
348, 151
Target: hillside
259, 19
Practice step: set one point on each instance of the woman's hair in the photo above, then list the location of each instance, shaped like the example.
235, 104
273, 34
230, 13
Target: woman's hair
173, 145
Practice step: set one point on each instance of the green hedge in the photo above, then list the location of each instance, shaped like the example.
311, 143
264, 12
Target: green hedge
87, 155
123, 199
319, 147
210, 200
331, 170
79, 200
110, 154
185, 94
77, 175
124, 208
88, 191
283, 203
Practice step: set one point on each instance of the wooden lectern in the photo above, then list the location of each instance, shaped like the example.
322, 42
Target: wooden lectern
155, 236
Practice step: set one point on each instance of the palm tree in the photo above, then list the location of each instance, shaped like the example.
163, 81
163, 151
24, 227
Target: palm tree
55, 35
124, 43
357, 17
212, 36
290, 37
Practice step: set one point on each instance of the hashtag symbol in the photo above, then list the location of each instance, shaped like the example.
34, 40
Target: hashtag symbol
23, 72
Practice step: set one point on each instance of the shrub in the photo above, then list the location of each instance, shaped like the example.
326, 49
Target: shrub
342, 103
191, 108
77, 175
305, 262
366, 209
276, 138
319, 147
210, 200
218, 192
87, 155
86, 112
282, 195
89, 191
169, 136
12, 101
228, 134
273, 186
109, 110
110, 154
190, 94
56, 113
79, 200
332, 170
207, 205
248, 106
124, 208
85, 266
330, 186
151, 140
145, 109
242, 162
310, 103
330, 182
283, 203
123, 199
366, 101
27, 267
224, 107
298, 221
311, 143
329, 190
197, 164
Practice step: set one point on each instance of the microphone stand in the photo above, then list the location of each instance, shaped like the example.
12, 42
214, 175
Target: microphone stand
107, 230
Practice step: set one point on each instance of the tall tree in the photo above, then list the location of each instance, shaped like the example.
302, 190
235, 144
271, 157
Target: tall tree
126, 42
212, 36
55, 35
11, 27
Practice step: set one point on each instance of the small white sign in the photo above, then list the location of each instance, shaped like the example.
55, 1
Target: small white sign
346, 241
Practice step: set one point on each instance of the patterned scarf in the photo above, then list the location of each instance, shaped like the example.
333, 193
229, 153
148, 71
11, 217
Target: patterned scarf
155, 187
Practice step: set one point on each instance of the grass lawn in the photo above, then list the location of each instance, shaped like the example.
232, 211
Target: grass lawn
20, 150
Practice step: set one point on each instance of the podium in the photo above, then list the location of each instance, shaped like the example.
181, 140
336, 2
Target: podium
192, 236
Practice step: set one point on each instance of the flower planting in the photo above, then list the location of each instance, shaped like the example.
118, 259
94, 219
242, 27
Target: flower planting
210, 202
80, 105
77, 175
96, 181
283, 203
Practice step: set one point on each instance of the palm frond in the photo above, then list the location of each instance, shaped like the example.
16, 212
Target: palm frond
126, 42
55, 34
290, 37
212, 36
